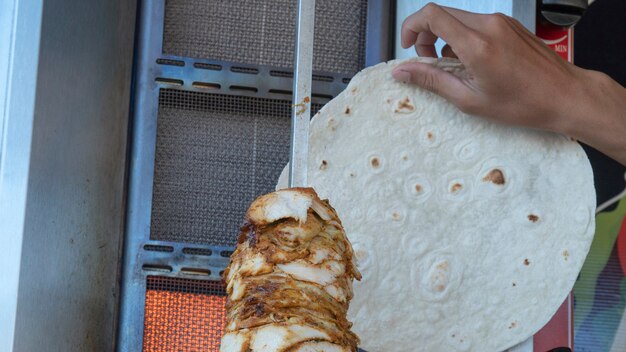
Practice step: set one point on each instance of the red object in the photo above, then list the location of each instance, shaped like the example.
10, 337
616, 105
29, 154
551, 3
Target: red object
621, 246
559, 331
560, 39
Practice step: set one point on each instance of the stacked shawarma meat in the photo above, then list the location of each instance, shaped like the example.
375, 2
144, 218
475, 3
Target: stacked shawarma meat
289, 282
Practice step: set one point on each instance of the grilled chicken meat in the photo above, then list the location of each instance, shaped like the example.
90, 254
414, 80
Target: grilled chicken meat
289, 282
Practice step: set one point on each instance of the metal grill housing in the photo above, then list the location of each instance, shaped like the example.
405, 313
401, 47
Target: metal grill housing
214, 155
262, 32
210, 132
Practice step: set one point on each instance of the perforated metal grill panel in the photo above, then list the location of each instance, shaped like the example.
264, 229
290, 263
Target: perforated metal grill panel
263, 32
214, 155
183, 315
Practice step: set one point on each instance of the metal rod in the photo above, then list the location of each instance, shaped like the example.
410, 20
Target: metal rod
301, 109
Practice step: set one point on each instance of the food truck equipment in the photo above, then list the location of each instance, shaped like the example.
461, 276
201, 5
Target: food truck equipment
208, 87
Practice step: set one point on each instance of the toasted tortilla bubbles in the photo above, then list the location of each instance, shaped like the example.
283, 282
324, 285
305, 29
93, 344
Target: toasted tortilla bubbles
469, 234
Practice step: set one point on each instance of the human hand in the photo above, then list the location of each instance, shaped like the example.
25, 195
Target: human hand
514, 78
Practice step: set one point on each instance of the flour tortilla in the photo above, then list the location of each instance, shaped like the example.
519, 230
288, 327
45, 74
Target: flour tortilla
469, 234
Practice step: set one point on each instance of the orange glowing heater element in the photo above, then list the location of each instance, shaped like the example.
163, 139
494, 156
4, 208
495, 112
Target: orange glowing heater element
182, 321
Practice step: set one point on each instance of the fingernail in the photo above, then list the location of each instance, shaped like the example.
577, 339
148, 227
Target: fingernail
401, 75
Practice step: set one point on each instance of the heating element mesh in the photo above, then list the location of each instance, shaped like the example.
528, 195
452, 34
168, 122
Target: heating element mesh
214, 155
183, 315
263, 32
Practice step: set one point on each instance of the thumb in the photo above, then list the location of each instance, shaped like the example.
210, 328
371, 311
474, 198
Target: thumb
433, 79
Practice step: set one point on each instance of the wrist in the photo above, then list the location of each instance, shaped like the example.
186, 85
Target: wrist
596, 113
570, 108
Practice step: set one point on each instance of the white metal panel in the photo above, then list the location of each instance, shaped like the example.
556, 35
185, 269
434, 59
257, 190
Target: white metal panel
65, 100
7, 14
19, 46
523, 10
68, 287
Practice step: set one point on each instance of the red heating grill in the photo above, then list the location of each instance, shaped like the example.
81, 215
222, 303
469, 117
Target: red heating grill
183, 315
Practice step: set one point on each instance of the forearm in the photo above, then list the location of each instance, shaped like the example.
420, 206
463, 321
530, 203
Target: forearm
597, 114
540, 90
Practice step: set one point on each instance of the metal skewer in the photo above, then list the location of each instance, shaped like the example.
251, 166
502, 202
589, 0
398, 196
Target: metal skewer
301, 109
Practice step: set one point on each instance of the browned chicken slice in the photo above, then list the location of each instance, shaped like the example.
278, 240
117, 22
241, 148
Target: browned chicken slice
289, 281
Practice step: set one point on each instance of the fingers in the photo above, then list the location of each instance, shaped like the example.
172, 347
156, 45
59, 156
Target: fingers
425, 45
447, 51
470, 19
436, 22
435, 80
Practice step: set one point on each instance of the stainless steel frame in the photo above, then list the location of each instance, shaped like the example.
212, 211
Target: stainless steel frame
153, 71
65, 111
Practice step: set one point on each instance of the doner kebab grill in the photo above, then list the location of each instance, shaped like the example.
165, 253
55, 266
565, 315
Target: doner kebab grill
462, 234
